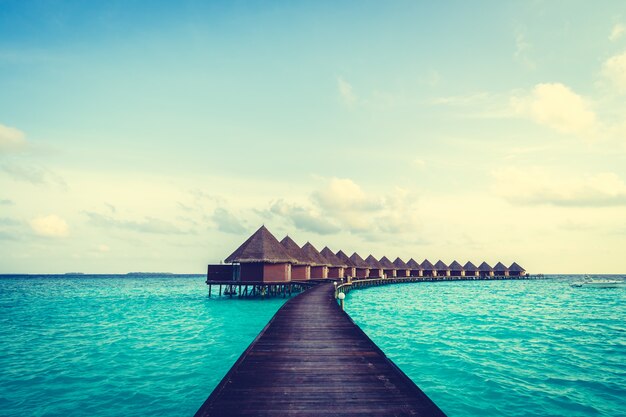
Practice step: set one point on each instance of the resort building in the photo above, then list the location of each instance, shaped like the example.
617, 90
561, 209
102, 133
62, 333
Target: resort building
485, 270
500, 270
402, 269
319, 265
362, 268
301, 270
416, 269
428, 268
336, 268
456, 270
442, 270
262, 258
471, 270
350, 269
389, 269
516, 271
376, 269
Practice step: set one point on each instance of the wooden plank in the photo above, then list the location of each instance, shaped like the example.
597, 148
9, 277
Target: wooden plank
312, 360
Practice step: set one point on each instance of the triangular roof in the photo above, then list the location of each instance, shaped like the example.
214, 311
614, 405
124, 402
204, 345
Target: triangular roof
358, 261
345, 258
500, 267
516, 268
485, 267
373, 262
262, 246
427, 265
400, 264
470, 267
294, 250
413, 264
455, 266
440, 265
386, 263
311, 252
332, 258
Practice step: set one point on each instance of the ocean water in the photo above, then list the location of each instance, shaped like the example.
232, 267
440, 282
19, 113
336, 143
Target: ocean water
118, 346
111, 346
504, 348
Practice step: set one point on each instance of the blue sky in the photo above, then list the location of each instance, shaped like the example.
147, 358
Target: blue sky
145, 136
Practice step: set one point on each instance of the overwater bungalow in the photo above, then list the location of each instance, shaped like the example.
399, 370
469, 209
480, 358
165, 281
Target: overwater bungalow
516, 271
336, 268
376, 269
389, 269
402, 269
362, 268
416, 269
485, 270
350, 269
456, 269
442, 269
428, 268
301, 270
500, 270
471, 270
319, 266
262, 258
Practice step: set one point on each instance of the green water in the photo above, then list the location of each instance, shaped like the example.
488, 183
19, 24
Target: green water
504, 348
117, 346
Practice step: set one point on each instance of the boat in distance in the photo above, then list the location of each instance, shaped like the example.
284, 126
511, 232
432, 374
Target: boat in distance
599, 283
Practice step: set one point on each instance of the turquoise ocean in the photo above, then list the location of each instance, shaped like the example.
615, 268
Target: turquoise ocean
116, 345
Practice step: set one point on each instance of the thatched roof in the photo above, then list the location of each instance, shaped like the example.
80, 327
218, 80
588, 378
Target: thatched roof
470, 267
386, 263
413, 264
345, 258
485, 267
262, 246
427, 265
311, 252
294, 250
358, 261
373, 262
332, 258
400, 264
441, 266
455, 266
500, 267
516, 268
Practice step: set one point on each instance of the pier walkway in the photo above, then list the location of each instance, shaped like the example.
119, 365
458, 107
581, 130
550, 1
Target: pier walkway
312, 360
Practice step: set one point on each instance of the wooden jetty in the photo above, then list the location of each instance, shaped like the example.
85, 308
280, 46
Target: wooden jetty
312, 360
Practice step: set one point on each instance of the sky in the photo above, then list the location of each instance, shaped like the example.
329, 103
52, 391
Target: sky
153, 136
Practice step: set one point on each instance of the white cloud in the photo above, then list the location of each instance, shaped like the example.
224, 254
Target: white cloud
103, 248
614, 69
617, 32
341, 205
556, 106
345, 92
419, 163
540, 186
11, 139
226, 222
49, 226
522, 51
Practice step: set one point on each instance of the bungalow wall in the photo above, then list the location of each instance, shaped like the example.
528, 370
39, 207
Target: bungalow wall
319, 272
300, 272
376, 273
403, 273
362, 272
502, 273
457, 273
517, 274
416, 273
430, 272
220, 272
349, 271
262, 272
335, 272
389, 273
